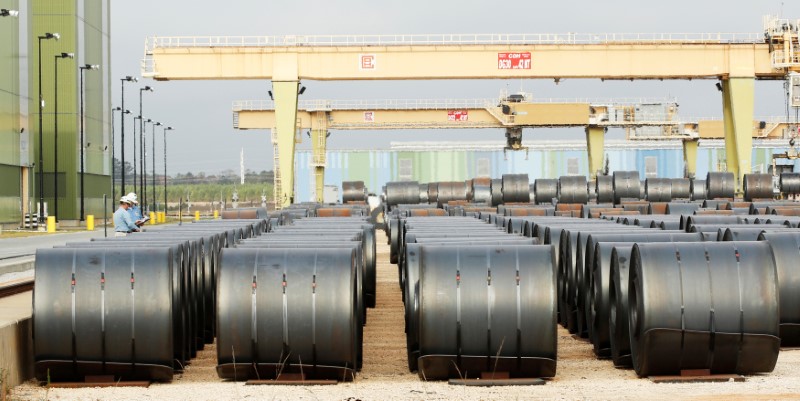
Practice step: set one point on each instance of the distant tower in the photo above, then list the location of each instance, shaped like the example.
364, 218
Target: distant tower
241, 165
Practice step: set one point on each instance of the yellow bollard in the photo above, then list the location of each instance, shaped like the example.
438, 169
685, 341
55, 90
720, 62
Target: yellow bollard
51, 224
89, 222
216, 214
161, 217
196, 215
153, 218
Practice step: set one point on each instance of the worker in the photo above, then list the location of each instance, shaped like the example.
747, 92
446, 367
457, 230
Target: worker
123, 224
134, 211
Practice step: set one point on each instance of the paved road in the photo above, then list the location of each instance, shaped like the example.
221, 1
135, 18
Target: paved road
12, 247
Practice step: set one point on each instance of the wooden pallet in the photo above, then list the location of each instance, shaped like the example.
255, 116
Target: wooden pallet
492, 379
697, 376
99, 381
291, 379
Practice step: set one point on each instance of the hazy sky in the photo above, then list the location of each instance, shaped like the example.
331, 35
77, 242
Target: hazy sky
201, 110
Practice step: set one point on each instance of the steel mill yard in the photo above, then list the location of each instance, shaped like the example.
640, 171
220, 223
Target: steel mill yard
575, 201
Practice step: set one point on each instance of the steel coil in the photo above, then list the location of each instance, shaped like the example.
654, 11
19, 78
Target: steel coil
244, 213
433, 192
497, 192
482, 194
680, 209
508, 325
604, 189
720, 185
681, 188
353, 191
757, 186
103, 312
545, 190
790, 183
698, 188
785, 247
572, 189
515, 188
402, 192
618, 331
658, 189
626, 185
287, 311
451, 191
686, 315
423, 193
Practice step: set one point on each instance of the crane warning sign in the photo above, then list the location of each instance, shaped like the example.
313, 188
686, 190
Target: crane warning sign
514, 61
457, 115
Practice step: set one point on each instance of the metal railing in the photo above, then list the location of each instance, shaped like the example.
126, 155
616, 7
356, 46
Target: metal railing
156, 42
432, 104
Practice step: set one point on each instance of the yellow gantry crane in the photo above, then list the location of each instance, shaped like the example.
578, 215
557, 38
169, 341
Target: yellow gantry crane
642, 119
736, 60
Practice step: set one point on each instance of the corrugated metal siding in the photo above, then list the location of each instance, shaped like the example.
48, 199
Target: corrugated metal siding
377, 167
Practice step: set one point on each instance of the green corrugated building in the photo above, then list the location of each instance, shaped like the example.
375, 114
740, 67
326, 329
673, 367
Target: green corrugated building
84, 27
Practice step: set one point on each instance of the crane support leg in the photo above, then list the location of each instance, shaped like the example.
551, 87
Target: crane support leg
738, 98
595, 142
690, 156
285, 95
319, 144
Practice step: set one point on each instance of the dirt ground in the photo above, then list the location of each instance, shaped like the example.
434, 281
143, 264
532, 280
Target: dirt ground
386, 377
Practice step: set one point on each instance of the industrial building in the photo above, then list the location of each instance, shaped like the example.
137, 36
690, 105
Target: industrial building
83, 28
439, 161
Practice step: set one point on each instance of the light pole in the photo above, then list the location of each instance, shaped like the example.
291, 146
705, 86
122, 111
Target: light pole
82, 69
4, 12
165, 166
113, 151
46, 36
142, 162
135, 160
122, 138
60, 56
154, 165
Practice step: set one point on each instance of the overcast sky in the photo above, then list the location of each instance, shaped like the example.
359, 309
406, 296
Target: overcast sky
201, 110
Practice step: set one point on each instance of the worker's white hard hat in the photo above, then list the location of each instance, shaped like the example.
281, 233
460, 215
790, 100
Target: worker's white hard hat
132, 196
124, 199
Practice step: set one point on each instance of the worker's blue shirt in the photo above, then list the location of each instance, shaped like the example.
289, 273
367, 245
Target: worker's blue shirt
135, 213
123, 222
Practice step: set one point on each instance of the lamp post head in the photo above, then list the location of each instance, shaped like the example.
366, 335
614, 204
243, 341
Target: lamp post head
8, 13
117, 109
148, 120
158, 124
130, 79
49, 35
126, 112
65, 55
168, 129
147, 88
90, 67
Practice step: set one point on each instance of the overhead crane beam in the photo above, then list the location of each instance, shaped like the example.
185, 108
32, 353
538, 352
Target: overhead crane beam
734, 58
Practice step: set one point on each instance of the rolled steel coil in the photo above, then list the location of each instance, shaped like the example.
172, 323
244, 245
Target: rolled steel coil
684, 314
687, 221
785, 247
604, 188
334, 212
681, 188
497, 192
451, 191
353, 191
618, 330
515, 188
790, 183
433, 192
545, 190
680, 209
720, 185
572, 189
394, 239
469, 194
532, 192
698, 190
508, 318
103, 312
591, 189
287, 311
423, 193
658, 189
626, 185
482, 194
402, 192
747, 233
757, 186
598, 279
244, 213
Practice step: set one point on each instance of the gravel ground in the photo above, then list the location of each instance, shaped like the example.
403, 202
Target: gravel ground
385, 376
